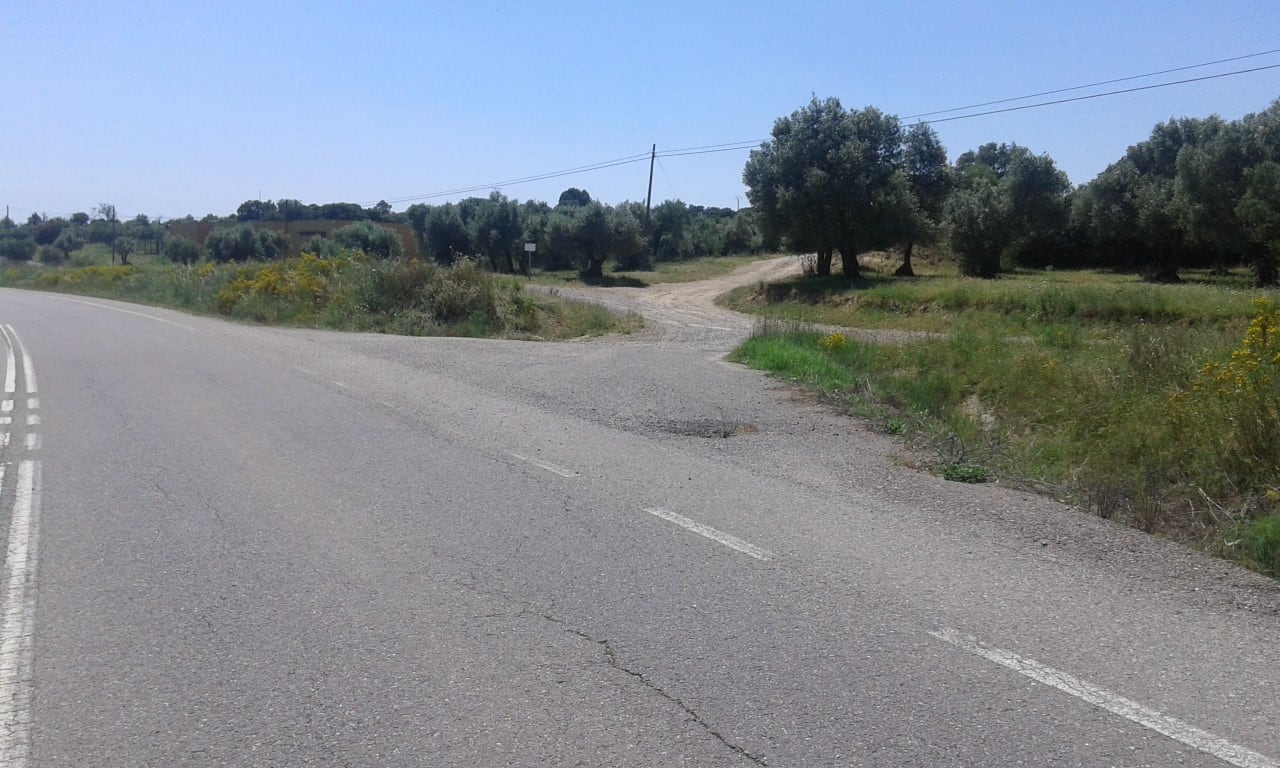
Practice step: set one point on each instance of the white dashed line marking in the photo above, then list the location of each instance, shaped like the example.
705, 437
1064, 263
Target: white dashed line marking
341, 385
33, 402
733, 542
6, 406
32, 419
548, 466
33, 441
1118, 705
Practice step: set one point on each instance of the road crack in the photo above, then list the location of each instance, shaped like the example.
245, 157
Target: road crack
611, 657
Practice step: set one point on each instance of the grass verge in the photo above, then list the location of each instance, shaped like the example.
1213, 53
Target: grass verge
348, 292
1159, 409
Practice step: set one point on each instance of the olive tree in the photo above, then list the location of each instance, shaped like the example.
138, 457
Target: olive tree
831, 180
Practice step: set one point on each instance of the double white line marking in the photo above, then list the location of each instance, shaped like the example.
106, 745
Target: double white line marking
18, 582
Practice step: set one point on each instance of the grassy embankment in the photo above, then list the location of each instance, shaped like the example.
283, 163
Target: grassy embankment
346, 293
1158, 406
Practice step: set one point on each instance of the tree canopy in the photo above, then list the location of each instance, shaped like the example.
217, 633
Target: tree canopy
833, 180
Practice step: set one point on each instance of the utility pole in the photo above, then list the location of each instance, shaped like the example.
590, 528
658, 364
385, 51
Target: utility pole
648, 200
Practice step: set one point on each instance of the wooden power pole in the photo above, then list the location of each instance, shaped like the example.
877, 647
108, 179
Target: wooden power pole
648, 199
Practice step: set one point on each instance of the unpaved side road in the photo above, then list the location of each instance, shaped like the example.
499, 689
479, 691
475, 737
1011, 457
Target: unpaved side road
687, 313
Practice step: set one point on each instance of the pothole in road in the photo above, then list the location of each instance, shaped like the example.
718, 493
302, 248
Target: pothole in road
721, 429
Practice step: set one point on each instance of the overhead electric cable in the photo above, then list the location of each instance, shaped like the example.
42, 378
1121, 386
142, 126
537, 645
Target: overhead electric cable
738, 146
1092, 85
526, 179
1100, 95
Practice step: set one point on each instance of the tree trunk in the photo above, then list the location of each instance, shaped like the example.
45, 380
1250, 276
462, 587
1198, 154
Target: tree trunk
1264, 269
593, 268
849, 264
905, 270
823, 268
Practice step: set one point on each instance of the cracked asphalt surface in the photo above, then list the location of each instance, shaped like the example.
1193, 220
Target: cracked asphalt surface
288, 547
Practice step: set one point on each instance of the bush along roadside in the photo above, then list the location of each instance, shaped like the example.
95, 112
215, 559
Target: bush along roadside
1169, 431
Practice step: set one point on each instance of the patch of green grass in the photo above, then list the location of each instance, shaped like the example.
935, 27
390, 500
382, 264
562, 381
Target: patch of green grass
966, 473
1260, 544
797, 357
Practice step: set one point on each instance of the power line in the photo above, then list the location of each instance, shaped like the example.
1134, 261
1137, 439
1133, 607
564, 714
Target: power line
1092, 85
738, 146
526, 179
1100, 95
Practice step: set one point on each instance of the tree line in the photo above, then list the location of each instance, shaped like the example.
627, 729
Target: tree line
52, 239
576, 233
1196, 193
579, 232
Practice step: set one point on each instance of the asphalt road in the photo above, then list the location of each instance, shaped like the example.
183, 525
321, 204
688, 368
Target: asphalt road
241, 546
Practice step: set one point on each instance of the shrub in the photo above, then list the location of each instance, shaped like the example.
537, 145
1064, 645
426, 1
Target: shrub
324, 248
371, 239
462, 292
17, 247
181, 250
395, 287
47, 254
1235, 406
245, 242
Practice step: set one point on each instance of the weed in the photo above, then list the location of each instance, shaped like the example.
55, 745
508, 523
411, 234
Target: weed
966, 473
1260, 541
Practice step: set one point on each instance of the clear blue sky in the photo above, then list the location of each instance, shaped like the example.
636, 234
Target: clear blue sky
191, 108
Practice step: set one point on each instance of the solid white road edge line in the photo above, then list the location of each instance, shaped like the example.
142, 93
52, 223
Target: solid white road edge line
28, 370
733, 542
548, 466
1103, 699
120, 309
10, 365
17, 618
